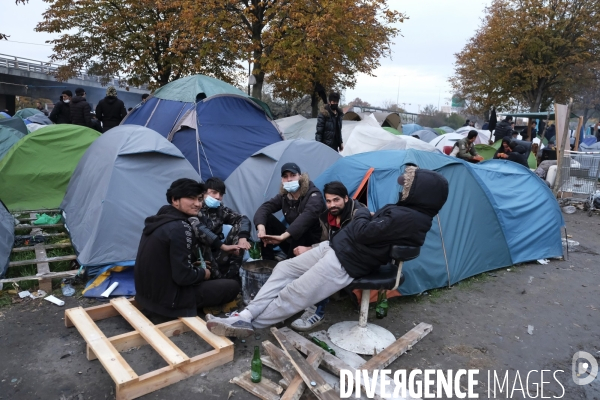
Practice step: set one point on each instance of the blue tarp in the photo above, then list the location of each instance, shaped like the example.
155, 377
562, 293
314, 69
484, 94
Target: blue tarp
121, 272
216, 134
498, 214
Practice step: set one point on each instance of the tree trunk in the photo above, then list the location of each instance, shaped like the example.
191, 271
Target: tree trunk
314, 104
257, 87
257, 52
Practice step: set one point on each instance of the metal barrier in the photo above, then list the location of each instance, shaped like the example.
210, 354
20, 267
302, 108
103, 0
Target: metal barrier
49, 68
580, 172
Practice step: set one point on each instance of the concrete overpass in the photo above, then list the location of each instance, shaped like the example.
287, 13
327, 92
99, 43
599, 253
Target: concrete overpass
33, 78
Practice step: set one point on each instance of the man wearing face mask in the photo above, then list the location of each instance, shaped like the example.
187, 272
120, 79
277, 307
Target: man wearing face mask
61, 113
329, 124
301, 203
213, 214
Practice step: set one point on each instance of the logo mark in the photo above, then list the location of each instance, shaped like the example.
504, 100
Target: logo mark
581, 368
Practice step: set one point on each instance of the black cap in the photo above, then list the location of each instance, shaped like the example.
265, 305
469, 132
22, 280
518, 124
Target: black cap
292, 167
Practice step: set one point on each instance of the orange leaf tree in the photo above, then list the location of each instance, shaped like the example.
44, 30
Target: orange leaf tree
527, 52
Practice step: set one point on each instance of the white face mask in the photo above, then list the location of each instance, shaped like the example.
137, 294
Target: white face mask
66, 101
291, 187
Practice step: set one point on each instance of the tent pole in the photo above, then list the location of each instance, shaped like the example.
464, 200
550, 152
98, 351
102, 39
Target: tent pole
198, 148
444, 248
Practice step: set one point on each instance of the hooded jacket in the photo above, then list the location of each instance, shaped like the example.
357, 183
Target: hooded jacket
364, 244
302, 215
518, 155
81, 112
61, 113
502, 129
347, 214
164, 270
110, 111
329, 127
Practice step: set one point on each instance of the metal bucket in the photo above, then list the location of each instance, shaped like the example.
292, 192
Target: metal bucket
254, 274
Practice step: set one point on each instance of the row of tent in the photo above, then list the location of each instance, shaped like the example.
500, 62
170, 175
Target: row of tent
108, 184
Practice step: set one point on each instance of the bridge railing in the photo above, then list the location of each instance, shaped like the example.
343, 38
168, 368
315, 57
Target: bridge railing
49, 68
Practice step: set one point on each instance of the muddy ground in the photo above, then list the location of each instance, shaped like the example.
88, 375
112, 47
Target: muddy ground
481, 323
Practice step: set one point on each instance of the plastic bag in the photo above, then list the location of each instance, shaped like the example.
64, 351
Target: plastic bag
45, 219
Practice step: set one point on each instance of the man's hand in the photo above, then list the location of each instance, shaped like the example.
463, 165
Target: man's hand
275, 239
244, 244
477, 158
502, 155
301, 249
231, 248
206, 274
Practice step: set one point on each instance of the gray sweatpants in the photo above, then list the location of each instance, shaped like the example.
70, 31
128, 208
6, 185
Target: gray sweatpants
298, 283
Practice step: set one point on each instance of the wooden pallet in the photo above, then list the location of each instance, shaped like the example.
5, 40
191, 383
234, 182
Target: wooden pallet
128, 384
44, 276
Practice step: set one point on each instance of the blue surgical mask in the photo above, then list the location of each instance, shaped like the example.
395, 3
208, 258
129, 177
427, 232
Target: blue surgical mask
211, 202
292, 186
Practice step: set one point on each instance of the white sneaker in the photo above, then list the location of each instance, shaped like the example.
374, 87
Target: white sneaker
308, 320
234, 325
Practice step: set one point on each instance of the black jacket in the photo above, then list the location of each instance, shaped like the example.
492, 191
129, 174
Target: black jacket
328, 232
110, 111
302, 215
502, 129
61, 113
329, 128
364, 244
164, 270
518, 156
81, 112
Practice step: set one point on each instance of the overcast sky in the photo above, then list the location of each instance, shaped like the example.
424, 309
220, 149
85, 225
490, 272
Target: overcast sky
417, 74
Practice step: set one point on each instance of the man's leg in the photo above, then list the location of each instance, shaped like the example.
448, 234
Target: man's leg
322, 280
284, 273
216, 292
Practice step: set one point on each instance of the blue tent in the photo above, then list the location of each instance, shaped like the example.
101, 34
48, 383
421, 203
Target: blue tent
492, 218
409, 129
215, 125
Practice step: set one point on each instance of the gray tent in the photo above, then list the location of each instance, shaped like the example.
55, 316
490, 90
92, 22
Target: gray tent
121, 179
7, 238
15, 123
385, 119
425, 135
8, 138
40, 119
284, 123
259, 177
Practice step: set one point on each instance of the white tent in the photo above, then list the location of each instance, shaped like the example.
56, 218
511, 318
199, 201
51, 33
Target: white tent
306, 129
483, 136
284, 123
449, 139
369, 136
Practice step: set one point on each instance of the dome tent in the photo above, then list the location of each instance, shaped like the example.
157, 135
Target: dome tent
258, 178
121, 180
8, 138
459, 245
35, 172
215, 125
7, 238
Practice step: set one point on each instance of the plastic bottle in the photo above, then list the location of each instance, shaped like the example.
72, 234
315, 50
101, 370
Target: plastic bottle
256, 366
67, 289
382, 305
323, 345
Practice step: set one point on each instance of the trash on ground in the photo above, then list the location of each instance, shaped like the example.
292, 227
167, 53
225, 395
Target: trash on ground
543, 261
530, 329
24, 293
571, 243
67, 289
569, 209
530, 280
55, 300
38, 294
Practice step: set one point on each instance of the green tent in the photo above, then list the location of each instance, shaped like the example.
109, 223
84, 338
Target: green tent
8, 138
392, 130
35, 172
487, 152
27, 112
186, 89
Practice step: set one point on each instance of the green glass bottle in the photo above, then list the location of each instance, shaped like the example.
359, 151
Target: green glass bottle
254, 251
323, 345
382, 305
256, 366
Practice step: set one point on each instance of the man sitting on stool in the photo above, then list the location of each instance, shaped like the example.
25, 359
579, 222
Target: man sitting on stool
356, 251
168, 280
340, 211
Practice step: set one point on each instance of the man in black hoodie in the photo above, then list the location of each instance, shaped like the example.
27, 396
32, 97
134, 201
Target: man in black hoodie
517, 154
168, 279
61, 113
329, 124
356, 251
110, 110
81, 111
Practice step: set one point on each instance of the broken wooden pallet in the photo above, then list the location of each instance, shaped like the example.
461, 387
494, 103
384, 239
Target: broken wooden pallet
128, 384
44, 275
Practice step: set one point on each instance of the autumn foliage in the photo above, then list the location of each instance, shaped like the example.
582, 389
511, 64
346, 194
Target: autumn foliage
528, 52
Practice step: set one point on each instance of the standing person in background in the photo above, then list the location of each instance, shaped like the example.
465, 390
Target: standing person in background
145, 97
41, 108
110, 110
81, 111
329, 124
61, 113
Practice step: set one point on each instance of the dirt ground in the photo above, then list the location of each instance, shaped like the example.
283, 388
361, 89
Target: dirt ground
480, 323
